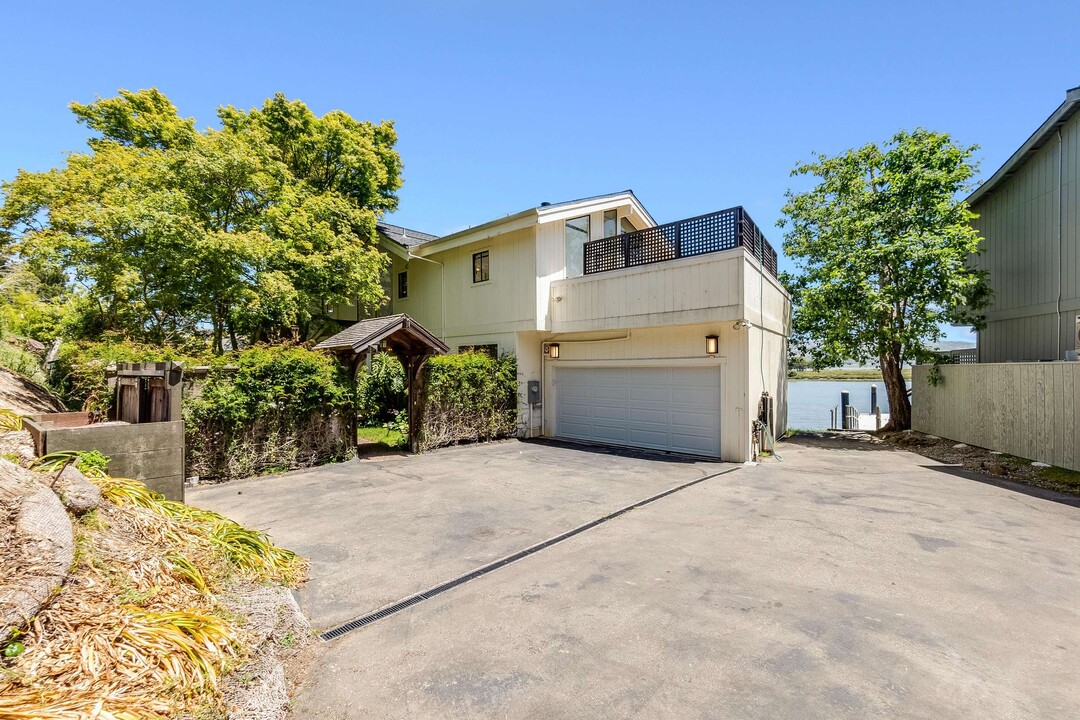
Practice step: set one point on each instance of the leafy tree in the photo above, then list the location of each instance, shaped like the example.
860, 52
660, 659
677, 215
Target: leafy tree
254, 229
882, 245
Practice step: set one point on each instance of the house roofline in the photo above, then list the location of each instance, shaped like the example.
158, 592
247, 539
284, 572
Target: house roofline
1059, 117
532, 215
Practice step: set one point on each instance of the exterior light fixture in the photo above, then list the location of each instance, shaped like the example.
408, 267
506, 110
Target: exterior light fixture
553, 351
712, 344
740, 325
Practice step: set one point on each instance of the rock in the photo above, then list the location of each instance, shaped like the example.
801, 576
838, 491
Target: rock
43, 547
995, 469
78, 494
995, 452
1040, 464
960, 446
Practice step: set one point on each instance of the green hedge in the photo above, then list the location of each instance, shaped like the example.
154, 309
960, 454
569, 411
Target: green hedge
259, 409
266, 409
469, 397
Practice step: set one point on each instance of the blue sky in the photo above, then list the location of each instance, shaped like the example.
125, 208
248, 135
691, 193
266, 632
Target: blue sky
502, 105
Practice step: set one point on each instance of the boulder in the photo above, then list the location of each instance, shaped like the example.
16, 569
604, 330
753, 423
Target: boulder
40, 546
78, 494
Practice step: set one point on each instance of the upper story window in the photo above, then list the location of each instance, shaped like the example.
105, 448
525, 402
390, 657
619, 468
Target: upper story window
403, 285
626, 226
481, 267
576, 234
611, 223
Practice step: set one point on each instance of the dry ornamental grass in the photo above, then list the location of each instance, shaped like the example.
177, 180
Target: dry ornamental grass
139, 629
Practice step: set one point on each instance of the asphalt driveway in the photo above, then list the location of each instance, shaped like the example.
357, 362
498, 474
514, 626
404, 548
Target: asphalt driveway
378, 530
847, 582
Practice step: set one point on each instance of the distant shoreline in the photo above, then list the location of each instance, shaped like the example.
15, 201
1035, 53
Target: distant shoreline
842, 374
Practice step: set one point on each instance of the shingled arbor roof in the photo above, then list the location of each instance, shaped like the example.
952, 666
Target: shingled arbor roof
410, 341
399, 334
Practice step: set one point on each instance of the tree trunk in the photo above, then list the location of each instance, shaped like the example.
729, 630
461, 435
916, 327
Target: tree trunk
896, 389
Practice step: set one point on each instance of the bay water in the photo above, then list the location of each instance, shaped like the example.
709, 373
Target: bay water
811, 401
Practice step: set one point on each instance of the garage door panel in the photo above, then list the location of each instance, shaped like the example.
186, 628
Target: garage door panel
675, 409
610, 433
658, 416
646, 438
600, 412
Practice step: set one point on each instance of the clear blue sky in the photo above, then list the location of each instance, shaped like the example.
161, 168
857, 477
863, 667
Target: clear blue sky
502, 105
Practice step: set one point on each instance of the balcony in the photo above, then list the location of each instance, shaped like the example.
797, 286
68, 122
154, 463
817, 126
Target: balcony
715, 232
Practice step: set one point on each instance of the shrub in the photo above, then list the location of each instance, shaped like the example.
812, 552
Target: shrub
469, 397
380, 392
78, 375
269, 408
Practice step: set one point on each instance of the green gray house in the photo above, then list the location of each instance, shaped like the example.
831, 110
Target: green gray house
1030, 221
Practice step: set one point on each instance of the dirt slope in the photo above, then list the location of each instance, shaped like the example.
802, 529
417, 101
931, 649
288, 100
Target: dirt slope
25, 396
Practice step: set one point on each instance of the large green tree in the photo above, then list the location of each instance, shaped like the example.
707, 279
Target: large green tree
251, 229
882, 245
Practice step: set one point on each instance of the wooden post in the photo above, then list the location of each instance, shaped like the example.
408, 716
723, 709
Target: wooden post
414, 374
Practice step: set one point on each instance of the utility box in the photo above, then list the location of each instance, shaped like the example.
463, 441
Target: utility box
534, 392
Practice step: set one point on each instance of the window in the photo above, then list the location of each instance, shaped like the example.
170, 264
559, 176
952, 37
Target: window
576, 234
611, 223
481, 269
489, 350
403, 285
626, 226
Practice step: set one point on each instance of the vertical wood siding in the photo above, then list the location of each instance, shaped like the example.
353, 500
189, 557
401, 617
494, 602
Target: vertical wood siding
1019, 224
1024, 409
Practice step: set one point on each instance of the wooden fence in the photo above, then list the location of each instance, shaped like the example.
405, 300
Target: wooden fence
1025, 409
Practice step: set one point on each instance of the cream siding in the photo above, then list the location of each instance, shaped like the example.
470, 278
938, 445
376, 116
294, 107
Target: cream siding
689, 290
668, 346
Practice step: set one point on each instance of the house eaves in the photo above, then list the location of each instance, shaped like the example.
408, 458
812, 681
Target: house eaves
1057, 119
571, 208
527, 218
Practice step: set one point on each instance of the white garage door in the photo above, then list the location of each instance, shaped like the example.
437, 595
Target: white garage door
662, 408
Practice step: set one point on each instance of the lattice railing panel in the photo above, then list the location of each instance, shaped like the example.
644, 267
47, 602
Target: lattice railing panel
605, 254
651, 245
710, 233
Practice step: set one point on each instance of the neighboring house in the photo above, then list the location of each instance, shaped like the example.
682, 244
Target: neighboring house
660, 337
1029, 217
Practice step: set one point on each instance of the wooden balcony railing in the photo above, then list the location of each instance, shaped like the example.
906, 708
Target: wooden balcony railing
715, 232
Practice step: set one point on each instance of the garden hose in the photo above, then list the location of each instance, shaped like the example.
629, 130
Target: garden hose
758, 425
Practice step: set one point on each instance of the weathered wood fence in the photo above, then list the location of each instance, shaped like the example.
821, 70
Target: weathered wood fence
1031, 410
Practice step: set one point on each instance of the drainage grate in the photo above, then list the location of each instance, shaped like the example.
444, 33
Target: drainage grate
408, 602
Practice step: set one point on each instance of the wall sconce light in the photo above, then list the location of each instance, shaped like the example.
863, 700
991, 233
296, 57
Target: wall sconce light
712, 344
553, 351
741, 325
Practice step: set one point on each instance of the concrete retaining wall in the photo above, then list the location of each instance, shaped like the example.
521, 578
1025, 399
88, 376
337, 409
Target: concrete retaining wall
1030, 410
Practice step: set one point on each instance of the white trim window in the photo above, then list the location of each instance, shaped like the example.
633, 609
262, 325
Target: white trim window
576, 234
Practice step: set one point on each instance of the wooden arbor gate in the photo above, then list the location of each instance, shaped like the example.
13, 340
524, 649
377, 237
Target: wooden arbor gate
404, 338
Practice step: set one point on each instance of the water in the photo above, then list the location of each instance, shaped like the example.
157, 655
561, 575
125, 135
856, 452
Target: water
810, 401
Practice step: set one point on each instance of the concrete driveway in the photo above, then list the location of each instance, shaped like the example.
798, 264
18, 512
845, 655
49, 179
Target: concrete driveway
848, 582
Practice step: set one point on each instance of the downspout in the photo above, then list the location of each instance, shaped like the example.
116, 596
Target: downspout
442, 291
1061, 211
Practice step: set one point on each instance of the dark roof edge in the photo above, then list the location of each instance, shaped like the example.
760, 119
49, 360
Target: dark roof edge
1057, 118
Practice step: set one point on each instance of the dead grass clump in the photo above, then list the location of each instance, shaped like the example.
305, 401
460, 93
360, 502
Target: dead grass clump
138, 631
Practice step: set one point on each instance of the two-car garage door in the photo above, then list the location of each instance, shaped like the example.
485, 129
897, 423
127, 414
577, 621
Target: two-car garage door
663, 408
